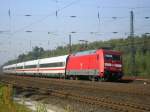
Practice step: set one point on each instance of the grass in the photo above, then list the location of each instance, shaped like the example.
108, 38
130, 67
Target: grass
68, 109
41, 107
6, 101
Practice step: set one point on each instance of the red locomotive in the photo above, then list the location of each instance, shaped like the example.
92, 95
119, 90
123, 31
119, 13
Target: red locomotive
95, 64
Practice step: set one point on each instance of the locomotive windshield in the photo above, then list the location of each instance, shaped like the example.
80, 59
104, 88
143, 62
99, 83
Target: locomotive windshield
116, 57
112, 57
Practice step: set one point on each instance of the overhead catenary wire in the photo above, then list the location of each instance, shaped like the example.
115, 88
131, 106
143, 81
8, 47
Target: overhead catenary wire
127, 7
53, 13
117, 18
60, 9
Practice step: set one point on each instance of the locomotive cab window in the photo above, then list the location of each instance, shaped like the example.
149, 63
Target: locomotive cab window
116, 58
112, 57
108, 57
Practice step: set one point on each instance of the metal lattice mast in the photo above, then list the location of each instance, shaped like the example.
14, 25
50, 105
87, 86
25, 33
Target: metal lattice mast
70, 49
132, 42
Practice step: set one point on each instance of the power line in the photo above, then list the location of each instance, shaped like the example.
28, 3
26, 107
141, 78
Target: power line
68, 5
126, 7
53, 13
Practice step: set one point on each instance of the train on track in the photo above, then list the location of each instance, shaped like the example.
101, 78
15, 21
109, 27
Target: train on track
92, 64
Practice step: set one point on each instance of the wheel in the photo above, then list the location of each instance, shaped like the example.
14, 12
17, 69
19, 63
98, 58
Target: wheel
71, 77
98, 79
75, 78
91, 78
107, 78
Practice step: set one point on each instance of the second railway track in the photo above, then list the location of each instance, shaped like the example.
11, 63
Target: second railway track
75, 95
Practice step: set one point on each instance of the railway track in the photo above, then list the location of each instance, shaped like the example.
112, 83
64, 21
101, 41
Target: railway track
101, 102
94, 86
91, 86
98, 101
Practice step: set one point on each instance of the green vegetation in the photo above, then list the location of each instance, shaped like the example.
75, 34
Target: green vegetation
142, 52
41, 107
6, 101
68, 109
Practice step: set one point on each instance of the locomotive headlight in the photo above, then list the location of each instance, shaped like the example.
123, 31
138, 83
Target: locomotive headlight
118, 65
108, 64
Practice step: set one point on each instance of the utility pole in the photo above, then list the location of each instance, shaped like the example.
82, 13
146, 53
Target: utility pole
84, 44
132, 42
70, 50
30, 45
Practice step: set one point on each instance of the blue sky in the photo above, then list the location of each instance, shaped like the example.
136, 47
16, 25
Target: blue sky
14, 39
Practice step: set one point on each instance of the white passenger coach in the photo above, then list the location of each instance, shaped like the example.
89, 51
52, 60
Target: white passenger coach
53, 66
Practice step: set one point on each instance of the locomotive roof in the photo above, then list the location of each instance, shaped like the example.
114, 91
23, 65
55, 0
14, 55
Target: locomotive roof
94, 51
85, 52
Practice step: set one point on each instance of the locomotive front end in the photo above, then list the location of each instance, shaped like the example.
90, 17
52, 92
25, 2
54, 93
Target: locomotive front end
113, 68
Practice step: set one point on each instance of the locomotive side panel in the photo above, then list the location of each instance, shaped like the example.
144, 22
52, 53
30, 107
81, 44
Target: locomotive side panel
86, 65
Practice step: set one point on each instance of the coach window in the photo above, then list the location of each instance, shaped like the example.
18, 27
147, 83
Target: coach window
20, 67
30, 66
58, 64
13, 68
